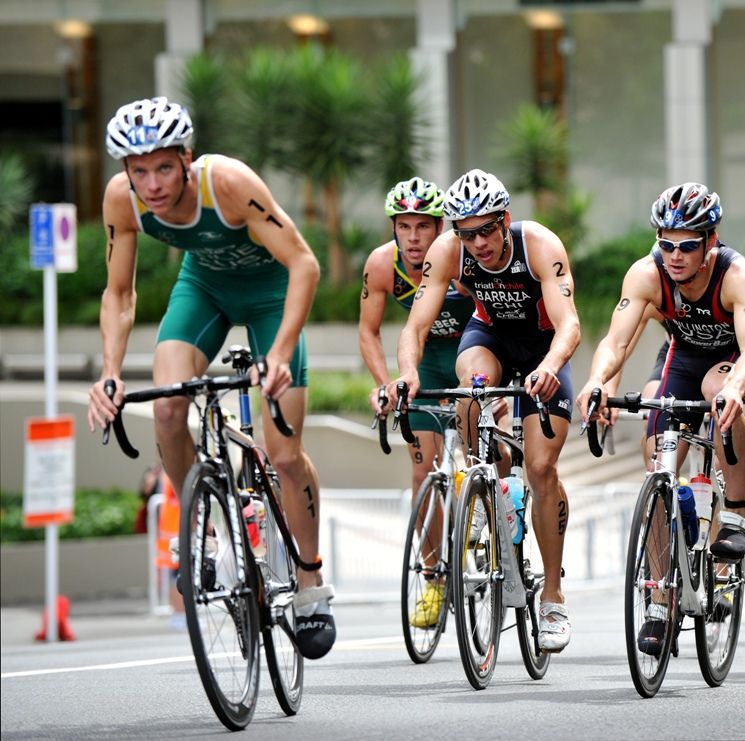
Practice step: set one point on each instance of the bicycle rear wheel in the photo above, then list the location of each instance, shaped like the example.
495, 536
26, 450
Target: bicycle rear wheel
477, 593
425, 581
718, 628
218, 581
531, 572
650, 587
279, 576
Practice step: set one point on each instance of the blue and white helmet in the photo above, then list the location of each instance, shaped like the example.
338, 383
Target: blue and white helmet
688, 206
475, 194
145, 125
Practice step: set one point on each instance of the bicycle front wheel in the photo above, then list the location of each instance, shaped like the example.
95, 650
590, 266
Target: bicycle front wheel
650, 603
425, 581
279, 577
477, 590
718, 628
218, 582
531, 572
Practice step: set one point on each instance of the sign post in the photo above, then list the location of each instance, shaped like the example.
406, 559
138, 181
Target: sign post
53, 238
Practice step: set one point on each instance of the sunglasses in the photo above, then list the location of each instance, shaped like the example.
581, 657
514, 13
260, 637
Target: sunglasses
487, 228
685, 245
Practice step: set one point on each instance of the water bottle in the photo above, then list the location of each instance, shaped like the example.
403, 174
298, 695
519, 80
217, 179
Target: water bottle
509, 506
517, 493
702, 495
688, 512
254, 515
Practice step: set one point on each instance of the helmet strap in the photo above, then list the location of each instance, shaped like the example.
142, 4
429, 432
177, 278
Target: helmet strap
505, 240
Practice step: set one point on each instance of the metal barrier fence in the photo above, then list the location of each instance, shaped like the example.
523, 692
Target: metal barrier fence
363, 533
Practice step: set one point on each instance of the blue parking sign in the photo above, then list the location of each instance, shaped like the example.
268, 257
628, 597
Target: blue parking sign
42, 236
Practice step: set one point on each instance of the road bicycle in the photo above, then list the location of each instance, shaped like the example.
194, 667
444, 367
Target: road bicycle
425, 580
488, 571
233, 594
668, 576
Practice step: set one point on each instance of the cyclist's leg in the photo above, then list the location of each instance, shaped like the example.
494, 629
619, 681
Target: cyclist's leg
474, 359
190, 334
550, 509
315, 626
730, 541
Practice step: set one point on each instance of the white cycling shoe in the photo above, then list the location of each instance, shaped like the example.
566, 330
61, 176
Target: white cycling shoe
554, 628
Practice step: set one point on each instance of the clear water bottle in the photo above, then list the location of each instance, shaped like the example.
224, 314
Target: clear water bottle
517, 494
509, 506
703, 496
688, 511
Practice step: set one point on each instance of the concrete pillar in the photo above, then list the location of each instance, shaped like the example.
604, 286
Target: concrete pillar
686, 85
184, 21
435, 21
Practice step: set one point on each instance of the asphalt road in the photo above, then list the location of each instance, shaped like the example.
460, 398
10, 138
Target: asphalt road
129, 676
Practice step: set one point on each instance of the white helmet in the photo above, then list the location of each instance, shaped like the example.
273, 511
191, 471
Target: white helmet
146, 125
474, 194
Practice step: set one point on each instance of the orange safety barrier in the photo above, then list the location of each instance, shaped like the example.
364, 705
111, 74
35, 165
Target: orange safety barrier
168, 524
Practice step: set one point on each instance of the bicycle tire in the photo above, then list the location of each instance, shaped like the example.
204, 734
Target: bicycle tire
423, 564
477, 595
531, 572
651, 557
279, 585
718, 628
220, 595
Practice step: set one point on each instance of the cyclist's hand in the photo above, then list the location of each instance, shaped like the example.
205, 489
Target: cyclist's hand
375, 402
278, 378
542, 382
583, 400
733, 407
411, 380
102, 409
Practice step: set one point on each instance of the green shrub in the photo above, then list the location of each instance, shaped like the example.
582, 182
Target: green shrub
598, 276
97, 514
79, 293
338, 391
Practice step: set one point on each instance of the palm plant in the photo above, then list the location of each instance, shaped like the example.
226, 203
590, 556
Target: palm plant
330, 134
399, 122
264, 108
207, 91
534, 145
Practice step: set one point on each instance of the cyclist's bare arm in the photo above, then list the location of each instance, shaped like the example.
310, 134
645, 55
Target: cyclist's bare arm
245, 198
440, 266
377, 283
119, 297
549, 261
650, 312
640, 288
733, 299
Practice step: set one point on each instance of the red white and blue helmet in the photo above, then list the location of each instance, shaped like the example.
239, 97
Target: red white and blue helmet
688, 206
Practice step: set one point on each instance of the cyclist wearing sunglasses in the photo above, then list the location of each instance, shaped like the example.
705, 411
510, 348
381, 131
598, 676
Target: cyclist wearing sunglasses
698, 285
525, 321
395, 269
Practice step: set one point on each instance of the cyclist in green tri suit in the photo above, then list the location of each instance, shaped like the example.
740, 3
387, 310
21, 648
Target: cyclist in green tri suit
245, 264
395, 269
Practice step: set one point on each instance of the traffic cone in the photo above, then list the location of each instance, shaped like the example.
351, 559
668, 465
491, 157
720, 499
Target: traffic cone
64, 630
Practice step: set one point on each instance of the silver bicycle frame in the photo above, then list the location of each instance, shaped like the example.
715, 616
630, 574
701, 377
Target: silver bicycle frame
513, 591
